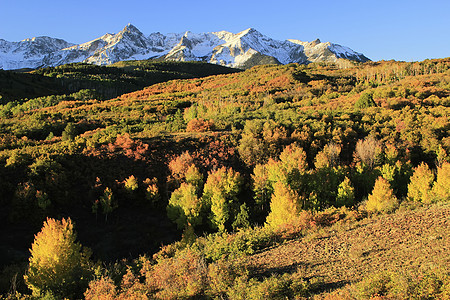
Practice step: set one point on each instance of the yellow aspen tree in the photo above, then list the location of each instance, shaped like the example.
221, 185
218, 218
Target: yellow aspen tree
284, 206
220, 192
194, 177
276, 172
289, 168
328, 157
390, 154
419, 188
261, 184
151, 189
131, 184
58, 265
442, 156
382, 198
184, 206
441, 188
346, 193
252, 148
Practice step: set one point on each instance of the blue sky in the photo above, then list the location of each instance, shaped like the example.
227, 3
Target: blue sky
396, 29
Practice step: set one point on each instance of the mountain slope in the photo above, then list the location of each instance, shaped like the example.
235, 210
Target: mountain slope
137, 136
405, 241
317, 51
241, 50
28, 53
107, 81
128, 44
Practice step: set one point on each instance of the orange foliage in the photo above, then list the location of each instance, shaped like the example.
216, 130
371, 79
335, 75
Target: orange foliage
182, 276
180, 164
124, 144
200, 125
215, 152
102, 288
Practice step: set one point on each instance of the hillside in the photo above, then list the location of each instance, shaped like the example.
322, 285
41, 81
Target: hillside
105, 82
170, 184
409, 243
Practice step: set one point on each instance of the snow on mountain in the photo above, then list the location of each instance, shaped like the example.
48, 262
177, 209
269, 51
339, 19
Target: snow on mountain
316, 51
240, 50
28, 53
128, 44
240, 47
193, 46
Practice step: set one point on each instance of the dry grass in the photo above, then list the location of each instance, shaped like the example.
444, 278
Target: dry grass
408, 241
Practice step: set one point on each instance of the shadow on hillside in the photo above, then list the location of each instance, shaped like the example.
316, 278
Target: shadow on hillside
319, 284
136, 227
323, 287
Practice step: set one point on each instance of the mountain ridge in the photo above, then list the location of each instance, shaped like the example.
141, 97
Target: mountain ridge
240, 50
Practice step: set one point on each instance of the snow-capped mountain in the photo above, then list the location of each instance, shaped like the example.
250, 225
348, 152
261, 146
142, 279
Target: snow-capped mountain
28, 53
241, 50
128, 44
317, 51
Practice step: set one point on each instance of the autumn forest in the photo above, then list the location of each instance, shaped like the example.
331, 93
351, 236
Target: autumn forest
169, 180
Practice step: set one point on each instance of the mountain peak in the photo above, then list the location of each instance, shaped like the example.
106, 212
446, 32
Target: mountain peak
244, 49
250, 30
131, 28
315, 42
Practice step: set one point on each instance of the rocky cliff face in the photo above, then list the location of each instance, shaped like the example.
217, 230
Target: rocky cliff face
241, 50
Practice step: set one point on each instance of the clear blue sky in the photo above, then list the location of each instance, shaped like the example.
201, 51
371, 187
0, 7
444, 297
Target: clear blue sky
406, 30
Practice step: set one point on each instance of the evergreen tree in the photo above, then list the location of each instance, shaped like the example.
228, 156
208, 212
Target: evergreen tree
242, 218
365, 100
69, 133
